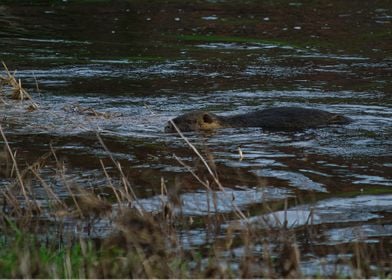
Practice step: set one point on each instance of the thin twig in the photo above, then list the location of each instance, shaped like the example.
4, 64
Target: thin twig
215, 178
110, 183
127, 185
18, 175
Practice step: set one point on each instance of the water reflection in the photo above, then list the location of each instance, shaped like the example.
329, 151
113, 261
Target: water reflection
206, 202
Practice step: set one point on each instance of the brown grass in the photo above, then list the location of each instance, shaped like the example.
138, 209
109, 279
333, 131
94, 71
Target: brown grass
17, 91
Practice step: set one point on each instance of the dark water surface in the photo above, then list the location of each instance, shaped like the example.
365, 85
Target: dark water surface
142, 64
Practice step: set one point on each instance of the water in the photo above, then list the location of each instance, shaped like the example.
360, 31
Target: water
140, 65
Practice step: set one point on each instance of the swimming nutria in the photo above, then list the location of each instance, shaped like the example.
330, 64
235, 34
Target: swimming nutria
280, 118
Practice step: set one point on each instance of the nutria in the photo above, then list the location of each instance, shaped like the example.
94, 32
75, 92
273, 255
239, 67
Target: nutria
280, 118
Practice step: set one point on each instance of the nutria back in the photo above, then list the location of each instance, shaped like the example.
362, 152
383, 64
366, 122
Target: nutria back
280, 118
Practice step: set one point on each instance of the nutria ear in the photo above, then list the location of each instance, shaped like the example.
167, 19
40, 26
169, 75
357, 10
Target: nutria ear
207, 118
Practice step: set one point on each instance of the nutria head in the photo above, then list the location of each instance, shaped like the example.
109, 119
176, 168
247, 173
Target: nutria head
194, 121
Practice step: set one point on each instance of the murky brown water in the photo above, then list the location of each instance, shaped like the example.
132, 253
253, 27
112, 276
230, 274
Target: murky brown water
143, 64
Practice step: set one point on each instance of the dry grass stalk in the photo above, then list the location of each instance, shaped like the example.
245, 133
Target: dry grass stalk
130, 194
61, 170
6, 163
189, 169
11, 199
143, 236
3, 101
36, 85
48, 189
18, 92
289, 260
18, 174
33, 168
90, 204
213, 175
209, 169
111, 185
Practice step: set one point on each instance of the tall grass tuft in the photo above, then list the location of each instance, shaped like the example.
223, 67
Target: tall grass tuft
17, 92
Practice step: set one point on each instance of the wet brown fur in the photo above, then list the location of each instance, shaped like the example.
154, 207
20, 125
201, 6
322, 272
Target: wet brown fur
280, 118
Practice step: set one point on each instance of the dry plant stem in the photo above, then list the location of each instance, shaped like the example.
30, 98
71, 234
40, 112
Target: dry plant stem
125, 183
37, 165
267, 221
198, 154
19, 91
164, 191
163, 187
48, 189
65, 181
13, 165
10, 198
16, 166
127, 186
309, 220
68, 265
36, 85
145, 262
205, 184
149, 108
111, 184
61, 168
238, 211
285, 222
3, 101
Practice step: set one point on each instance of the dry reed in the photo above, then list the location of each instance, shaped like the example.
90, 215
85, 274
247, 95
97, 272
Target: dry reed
17, 91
